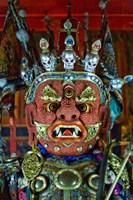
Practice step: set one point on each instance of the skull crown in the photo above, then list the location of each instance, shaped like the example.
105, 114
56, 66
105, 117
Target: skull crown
47, 58
48, 61
91, 59
26, 73
69, 56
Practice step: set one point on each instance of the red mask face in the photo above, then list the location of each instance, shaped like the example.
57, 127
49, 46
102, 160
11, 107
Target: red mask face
66, 117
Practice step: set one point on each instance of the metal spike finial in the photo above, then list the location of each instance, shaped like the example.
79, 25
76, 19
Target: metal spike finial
69, 5
103, 4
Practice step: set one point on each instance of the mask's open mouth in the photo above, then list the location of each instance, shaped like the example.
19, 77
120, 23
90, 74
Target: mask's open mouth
67, 132
62, 131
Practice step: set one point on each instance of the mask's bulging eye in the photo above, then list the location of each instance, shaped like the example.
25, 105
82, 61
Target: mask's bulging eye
69, 93
53, 107
85, 108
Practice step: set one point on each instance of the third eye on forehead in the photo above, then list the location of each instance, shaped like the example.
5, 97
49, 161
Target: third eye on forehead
68, 92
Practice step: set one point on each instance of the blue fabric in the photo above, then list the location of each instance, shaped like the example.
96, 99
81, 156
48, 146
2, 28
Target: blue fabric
67, 158
28, 193
115, 108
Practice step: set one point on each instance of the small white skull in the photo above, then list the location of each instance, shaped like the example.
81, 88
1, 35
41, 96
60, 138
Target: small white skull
48, 61
27, 76
69, 59
91, 61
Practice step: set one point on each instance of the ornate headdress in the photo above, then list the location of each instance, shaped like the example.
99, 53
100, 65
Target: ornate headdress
97, 64
70, 102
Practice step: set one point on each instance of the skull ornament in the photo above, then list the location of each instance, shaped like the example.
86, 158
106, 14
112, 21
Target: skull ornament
91, 61
69, 59
48, 60
27, 76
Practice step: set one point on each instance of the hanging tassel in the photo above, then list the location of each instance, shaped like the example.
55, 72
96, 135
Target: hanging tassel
28, 194
12, 124
13, 142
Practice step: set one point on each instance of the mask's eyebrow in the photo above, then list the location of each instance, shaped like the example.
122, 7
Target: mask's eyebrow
49, 93
88, 94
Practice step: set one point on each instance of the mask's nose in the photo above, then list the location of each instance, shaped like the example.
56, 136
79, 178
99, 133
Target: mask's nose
68, 110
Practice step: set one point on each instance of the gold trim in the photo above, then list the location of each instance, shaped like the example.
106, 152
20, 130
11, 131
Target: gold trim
61, 76
32, 164
56, 149
39, 189
87, 95
46, 146
77, 166
68, 81
60, 186
49, 93
67, 144
92, 131
41, 129
72, 30
90, 181
7, 92
115, 163
9, 160
90, 146
79, 149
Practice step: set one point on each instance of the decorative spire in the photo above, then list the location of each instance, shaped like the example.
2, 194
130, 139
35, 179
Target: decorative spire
69, 42
86, 34
44, 45
96, 46
103, 4
69, 5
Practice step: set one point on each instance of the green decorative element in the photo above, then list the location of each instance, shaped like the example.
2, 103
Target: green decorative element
41, 129
67, 144
116, 164
50, 94
32, 165
92, 131
86, 95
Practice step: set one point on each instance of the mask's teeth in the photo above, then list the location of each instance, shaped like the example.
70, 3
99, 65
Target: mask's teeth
76, 130
59, 134
74, 134
79, 129
57, 130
